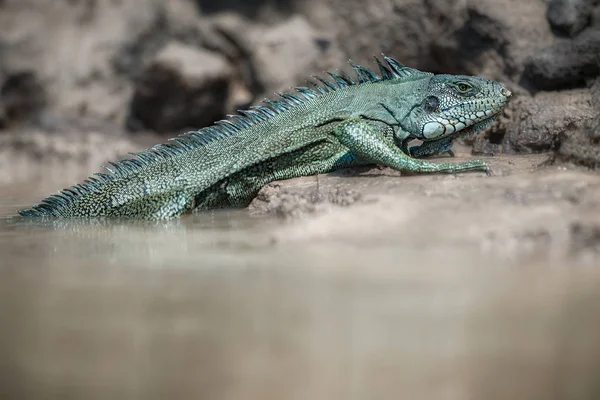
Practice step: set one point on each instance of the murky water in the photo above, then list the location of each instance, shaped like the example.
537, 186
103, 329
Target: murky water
210, 306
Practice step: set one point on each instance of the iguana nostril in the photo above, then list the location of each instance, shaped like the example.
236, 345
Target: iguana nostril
505, 92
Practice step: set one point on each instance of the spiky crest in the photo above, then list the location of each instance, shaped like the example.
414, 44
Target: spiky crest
391, 69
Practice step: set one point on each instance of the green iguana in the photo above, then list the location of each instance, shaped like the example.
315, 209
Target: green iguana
335, 123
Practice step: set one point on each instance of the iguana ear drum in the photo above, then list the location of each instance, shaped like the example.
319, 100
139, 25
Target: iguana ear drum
432, 104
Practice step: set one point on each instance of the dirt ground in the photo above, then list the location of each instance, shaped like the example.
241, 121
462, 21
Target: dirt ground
527, 210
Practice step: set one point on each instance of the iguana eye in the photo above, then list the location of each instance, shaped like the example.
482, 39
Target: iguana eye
463, 87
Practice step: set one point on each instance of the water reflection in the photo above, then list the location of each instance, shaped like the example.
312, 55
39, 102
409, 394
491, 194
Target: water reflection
144, 243
210, 306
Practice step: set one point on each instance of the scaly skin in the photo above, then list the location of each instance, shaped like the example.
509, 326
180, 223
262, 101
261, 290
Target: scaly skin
336, 124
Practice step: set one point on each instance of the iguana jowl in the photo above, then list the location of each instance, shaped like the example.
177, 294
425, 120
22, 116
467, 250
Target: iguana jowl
335, 123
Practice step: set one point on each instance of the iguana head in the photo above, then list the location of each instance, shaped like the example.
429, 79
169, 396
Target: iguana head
456, 103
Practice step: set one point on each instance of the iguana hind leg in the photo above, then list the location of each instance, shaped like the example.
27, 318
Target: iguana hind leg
366, 142
239, 189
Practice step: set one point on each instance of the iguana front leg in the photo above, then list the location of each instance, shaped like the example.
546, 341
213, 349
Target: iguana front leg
368, 143
430, 148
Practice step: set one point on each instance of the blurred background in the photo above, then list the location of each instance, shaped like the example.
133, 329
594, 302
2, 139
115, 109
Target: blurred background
383, 287
99, 69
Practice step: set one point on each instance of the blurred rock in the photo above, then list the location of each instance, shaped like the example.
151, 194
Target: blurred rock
540, 122
483, 146
582, 146
22, 97
275, 57
484, 37
176, 20
263, 10
595, 18
31, 155
68, 47
285, 53
570, 16
183, 87
168, 66
594, 125
489, 37
565, 64
360, 29
585, 236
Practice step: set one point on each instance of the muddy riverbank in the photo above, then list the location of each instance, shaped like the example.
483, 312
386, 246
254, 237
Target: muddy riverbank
363, 283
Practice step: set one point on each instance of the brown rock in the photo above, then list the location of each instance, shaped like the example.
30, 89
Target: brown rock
540, 122
490, 38
582, 146
68, 47
22, 97
565, 64
483, 37
360, 29
482, 146
570, 16
183, 87
32, 155
594, 126
272, 58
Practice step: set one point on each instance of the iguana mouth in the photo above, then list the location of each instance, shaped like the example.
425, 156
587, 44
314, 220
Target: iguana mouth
442, 127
